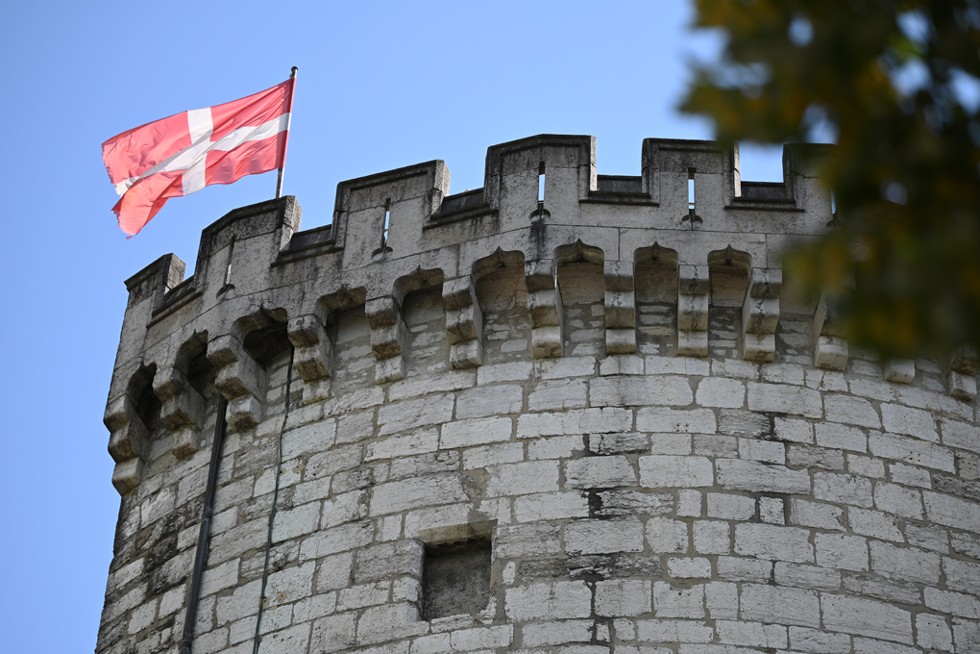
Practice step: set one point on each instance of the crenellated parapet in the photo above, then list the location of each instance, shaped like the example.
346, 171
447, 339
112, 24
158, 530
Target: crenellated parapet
400, 232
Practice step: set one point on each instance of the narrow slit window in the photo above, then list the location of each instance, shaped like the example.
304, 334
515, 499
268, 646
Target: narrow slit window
541, 179
690, 191
456, 578
387, 223
231, 254
833, 204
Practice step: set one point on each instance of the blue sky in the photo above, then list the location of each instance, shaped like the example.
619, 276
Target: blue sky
381, 85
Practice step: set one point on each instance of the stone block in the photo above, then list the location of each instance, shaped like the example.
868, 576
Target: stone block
431, 490
673, 631
556, 632
482, 401
693, 421
676, 602
548, 601
712, 537
774, 542
797, 575
864, 617
623, 597
932, 632
841, 437
378, 624
816, 514
581, 421
660, 390
730, 507
773, 604
736, 474
842, 489
751, 634
905, 563
917, 423
911, 450
733, 568
600, 472
603, 536
675, 471
721, 392
721, 600
689, 568
411, 414
851, 411
467, 433
550, 506
841, 551
960, 434
557, 394
784, 399
522, 478
898, 500
814, 641
762, 451
666, 535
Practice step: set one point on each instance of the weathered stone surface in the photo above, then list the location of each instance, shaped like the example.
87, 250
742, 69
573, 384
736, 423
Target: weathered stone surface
558, 600
772, 604
560, 386
754, 476
675, 471
784, 399
866, 618
773, 542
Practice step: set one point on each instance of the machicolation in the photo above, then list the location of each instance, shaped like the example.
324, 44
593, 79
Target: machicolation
564, 413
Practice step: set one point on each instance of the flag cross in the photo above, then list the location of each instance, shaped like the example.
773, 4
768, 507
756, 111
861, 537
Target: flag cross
192, 161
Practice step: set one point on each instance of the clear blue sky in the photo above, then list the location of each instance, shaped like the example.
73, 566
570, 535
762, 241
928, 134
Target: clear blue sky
381, 85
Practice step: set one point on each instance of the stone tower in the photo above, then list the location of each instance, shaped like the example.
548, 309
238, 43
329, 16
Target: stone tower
563, 413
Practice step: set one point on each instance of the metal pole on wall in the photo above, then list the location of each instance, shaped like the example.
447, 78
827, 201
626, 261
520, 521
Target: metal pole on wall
289, 119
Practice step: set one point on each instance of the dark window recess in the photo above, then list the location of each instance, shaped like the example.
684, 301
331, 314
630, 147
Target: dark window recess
266, 343
456, 578
148, 406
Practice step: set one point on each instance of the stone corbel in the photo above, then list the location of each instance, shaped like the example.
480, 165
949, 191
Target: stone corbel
760, 314
127, 475
387, 338
128, 443
620, 307
312, 349
830, 351
127, 434
901, 371
544, 306
962, 374
181, 411
464, 322
693, 299
240, 379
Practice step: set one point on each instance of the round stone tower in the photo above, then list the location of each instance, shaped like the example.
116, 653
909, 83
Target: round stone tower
565, 412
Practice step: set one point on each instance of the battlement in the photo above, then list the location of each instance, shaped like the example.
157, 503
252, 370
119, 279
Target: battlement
663, 253
424, 217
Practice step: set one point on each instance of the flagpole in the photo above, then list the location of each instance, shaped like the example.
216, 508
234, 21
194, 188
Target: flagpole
289, 119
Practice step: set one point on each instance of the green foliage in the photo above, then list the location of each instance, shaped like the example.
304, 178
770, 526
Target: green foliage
897, 85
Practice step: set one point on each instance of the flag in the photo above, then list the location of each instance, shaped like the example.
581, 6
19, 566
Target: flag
184, 153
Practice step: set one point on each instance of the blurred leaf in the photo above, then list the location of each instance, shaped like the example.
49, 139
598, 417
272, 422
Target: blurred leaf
902, 265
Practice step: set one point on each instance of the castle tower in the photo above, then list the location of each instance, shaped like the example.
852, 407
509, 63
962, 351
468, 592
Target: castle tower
563, 413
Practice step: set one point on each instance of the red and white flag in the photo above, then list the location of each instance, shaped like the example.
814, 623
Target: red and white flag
187, 151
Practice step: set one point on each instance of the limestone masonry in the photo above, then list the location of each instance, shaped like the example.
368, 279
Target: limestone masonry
565, 412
